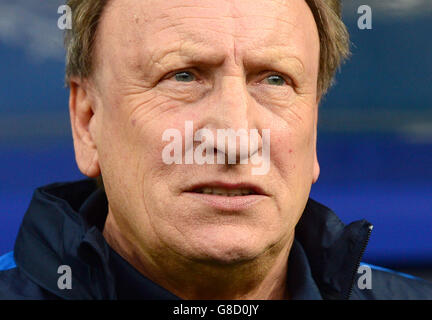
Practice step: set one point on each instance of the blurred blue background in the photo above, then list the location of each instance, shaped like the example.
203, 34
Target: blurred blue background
375, 128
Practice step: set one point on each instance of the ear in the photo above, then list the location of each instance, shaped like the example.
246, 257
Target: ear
316, 167
83, 123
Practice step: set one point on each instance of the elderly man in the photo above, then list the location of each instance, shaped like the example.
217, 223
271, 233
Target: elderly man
150, 80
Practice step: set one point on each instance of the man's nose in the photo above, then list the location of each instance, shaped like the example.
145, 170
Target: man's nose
232, 111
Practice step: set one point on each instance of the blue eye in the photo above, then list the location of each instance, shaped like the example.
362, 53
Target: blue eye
184, 76
275, 80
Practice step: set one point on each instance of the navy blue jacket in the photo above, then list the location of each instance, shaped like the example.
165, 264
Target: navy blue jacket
63, 226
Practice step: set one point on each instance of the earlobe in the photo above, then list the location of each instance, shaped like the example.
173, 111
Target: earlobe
316, 166
316, 170
83, 123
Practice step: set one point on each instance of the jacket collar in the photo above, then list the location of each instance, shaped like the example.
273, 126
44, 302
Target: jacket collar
53, 233
334, 250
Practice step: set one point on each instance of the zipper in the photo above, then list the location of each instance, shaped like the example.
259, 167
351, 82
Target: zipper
370, 227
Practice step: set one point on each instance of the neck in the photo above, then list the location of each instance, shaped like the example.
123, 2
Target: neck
262, 278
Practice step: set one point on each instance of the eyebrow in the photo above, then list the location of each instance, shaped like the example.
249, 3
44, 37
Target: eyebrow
188, 53
276, 57
193, 52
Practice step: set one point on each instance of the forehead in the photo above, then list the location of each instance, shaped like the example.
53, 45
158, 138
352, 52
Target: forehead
140, 30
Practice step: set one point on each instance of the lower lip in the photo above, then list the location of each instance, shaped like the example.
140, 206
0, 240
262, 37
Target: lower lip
225, 203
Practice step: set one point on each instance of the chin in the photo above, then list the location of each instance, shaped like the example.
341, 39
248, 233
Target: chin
233, 249
228, 256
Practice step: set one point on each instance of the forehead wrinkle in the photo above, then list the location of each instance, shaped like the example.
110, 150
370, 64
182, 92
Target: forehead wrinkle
197, 46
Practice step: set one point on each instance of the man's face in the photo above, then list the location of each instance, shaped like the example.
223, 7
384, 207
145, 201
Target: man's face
220, 64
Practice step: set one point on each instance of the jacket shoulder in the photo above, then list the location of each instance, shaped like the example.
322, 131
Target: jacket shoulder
15, 285
387, 284
7, 261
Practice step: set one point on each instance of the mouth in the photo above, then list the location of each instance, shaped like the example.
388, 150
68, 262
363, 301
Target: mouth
226, 189
227, 197
218, 191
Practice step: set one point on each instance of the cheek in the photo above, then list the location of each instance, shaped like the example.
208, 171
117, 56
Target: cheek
292, 153
147, 140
